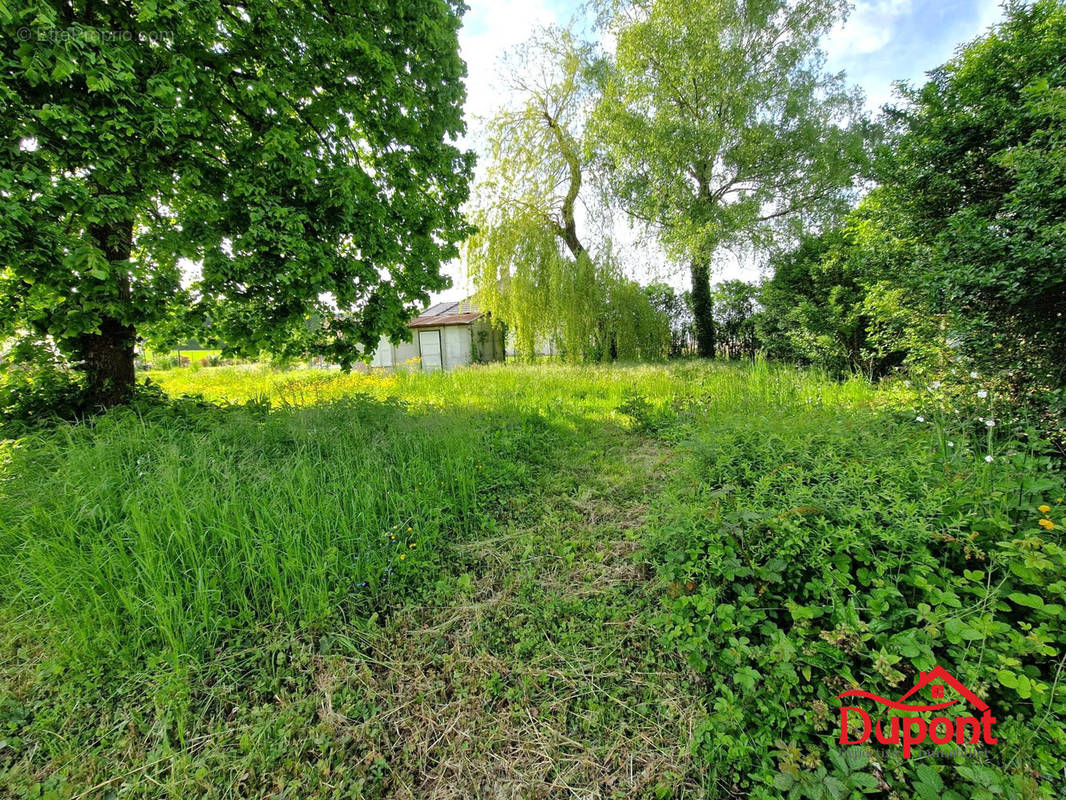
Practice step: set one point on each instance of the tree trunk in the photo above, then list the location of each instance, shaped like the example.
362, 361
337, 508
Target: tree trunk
107, 354
702, 309
107, 358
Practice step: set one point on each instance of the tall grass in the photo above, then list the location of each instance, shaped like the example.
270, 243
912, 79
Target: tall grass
164, 534
325, 496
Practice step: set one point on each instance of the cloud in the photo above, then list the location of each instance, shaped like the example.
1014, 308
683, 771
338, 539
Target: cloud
490, 29
869, 29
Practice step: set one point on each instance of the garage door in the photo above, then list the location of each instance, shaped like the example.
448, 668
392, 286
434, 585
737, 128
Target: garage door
429, 345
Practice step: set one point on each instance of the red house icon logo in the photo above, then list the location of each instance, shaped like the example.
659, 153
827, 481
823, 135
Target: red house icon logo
911, 730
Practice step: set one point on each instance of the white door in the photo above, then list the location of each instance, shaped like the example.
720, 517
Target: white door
429, 346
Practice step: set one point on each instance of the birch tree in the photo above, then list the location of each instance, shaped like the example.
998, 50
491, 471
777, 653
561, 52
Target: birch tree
722, 127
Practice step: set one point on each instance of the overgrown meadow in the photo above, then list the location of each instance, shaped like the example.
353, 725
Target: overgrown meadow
249, 591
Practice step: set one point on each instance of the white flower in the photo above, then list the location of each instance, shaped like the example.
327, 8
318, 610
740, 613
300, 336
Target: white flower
951, 444
982, 394
988, 459
919, 419
973, 375
907, 383
934, 385
991, 423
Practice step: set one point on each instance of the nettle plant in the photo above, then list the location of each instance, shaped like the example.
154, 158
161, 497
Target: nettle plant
864, 558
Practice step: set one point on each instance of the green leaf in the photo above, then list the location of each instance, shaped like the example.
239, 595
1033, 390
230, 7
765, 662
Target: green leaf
1007, 678
1028, 600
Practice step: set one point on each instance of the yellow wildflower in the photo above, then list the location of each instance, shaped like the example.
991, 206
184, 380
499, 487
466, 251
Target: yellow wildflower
1043, 509
1047, 524
403, 556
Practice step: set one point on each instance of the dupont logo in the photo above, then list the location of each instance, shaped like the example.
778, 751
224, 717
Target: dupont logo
856, 727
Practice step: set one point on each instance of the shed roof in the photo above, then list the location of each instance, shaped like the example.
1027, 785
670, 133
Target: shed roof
462, 312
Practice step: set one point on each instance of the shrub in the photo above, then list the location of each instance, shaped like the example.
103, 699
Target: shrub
822, 554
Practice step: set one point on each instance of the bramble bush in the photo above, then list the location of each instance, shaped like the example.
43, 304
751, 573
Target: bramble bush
810, 553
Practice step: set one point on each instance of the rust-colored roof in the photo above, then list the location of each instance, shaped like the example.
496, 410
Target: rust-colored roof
462, 313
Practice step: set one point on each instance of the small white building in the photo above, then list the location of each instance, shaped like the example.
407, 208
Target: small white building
444, 336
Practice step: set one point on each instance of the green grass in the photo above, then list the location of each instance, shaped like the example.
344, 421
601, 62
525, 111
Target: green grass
194, 356
645, 581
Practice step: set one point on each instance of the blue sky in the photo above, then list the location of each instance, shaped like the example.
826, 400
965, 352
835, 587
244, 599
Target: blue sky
888, 40
882, 41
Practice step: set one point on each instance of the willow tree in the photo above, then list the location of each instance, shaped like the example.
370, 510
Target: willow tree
723, 128
533, 267
302, 152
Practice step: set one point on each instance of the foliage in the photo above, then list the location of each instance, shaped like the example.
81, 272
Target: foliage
974, 178
301, 154
721, 128
814, 306
735, 305
788, 580
36, 385
675, 306
535, 271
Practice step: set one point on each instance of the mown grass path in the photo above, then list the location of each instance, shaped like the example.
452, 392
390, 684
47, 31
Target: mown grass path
543, 677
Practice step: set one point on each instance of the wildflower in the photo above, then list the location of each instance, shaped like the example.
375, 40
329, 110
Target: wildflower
951, 444
982, 394
988, 459
974, 375
403, 556
1047, 524
409, 530
919, 418
412, 545
991, 423
1043, 509
934, 385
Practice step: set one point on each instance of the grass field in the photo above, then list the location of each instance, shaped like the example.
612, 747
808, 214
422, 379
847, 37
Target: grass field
194, 356
512, 581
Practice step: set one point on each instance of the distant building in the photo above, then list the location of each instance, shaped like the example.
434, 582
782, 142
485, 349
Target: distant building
444, 336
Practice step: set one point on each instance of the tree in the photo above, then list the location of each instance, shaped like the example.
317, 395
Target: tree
676, 309
735, 305
301, 153
975, 170
721, 127
534, 268
813, 305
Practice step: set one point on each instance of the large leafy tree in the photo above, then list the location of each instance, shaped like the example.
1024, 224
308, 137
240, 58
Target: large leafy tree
302, 153
975, 177
722, 127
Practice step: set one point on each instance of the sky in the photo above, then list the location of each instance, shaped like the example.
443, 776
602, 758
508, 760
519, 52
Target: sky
881, 42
